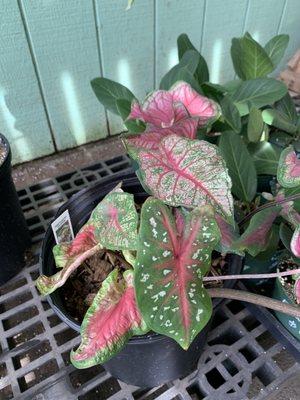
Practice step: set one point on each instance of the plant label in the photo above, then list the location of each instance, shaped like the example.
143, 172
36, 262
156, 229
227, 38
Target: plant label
62, 228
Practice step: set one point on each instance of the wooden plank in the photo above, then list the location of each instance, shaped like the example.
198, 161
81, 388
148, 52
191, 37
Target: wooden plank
172, 19
223, 21
22, 116
64, 40
263, 19
127, 39
290, 25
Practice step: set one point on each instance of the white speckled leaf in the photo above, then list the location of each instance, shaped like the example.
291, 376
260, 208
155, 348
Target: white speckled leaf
189, 173
288, 173
174, 253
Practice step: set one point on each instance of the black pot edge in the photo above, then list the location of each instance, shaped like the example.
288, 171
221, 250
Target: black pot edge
6, 164
113, 180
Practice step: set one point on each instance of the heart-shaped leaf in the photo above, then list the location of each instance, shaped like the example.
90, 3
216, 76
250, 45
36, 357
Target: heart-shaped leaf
184, 172
276, 47
229, 235
108, 92
256, 237
295, 242
288, 174
184, 44
110, 321
240, 166
112, 225
266, 157
174, 254
257, 93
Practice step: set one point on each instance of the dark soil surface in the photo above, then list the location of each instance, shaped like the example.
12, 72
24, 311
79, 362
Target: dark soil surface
288, 282
82, 286
3, 151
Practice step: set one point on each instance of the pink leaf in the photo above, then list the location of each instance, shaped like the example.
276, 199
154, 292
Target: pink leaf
197, 106
295, 242
288, 173
297, 290
110, 321
229, 235
189, 173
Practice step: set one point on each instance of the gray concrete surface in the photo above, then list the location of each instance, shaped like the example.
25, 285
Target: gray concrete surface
34, 171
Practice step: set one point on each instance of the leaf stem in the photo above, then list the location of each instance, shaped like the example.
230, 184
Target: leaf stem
251, 276
259, 300
268, 205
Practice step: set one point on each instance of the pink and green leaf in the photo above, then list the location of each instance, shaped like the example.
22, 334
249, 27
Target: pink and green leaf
110, 321
255, 239
189, 173
295, 242
288, 173
229, 235
174, 253
297, 290
112, 225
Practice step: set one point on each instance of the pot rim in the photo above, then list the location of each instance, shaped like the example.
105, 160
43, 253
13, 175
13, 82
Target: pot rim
63, 314
5, 165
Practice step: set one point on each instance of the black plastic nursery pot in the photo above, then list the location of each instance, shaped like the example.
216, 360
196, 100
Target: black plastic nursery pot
149, 360
14, 234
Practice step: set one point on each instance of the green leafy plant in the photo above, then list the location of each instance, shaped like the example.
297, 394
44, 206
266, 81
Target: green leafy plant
199, 149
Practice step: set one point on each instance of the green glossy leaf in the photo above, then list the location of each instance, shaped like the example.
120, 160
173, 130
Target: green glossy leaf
255, 125
184, 172
183, 71
281, 139
266, 157
124, 108
110, 321
107, 92
174, 254
275, 118
184, 44
213, 90
240, 166
256, 237
286, 106
286, 234
276, 47
258, 93
250, 60
288, 173
231, 114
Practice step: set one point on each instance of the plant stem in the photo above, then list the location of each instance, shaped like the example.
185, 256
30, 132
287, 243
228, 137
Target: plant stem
251, 276
268, 205
259, 300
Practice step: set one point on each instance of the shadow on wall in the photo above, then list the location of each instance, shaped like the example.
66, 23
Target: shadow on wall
19, 141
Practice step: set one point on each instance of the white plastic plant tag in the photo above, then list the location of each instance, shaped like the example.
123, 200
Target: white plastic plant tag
62, 228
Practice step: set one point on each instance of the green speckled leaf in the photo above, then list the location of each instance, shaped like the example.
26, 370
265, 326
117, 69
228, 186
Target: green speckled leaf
174, 253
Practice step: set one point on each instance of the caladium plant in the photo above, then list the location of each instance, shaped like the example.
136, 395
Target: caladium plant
191, 210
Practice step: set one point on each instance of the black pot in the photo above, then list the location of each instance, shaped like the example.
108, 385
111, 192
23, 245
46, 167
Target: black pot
14, 234
148, 360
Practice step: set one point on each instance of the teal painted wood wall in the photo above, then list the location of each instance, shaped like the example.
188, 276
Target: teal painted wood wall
51, 49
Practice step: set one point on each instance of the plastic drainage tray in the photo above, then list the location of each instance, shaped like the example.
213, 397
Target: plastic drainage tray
242, 360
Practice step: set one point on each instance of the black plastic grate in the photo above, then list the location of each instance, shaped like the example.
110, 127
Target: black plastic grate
242, 360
